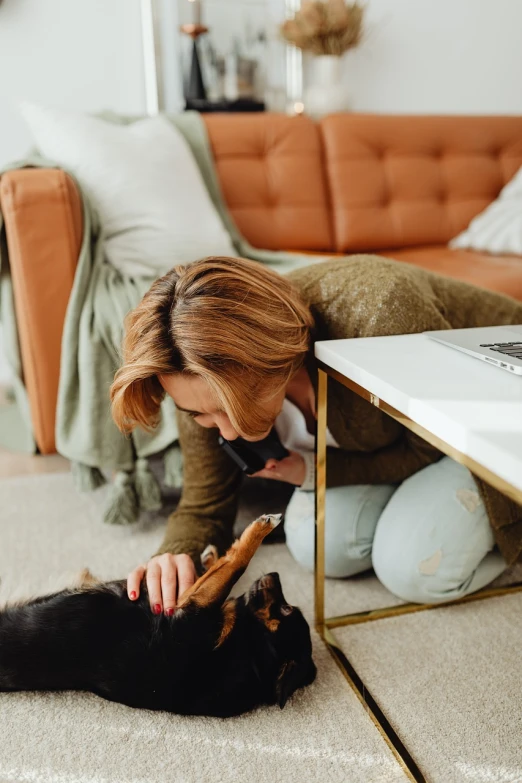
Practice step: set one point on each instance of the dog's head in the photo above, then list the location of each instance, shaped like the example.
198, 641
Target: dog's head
246, 651
286, 634
254, 649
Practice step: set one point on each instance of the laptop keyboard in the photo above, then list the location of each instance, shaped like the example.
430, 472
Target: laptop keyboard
508, 349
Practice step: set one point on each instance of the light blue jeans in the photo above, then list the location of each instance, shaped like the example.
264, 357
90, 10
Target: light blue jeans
428, 539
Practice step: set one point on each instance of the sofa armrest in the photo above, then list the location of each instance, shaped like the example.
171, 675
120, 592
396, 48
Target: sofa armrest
43, 220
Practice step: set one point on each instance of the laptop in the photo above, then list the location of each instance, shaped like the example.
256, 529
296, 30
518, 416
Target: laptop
498, 345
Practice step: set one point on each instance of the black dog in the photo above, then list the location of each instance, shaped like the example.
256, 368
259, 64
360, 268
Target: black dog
212, 657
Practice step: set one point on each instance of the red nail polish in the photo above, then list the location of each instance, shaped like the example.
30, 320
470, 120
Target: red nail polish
133, 594
169, 612
157, 609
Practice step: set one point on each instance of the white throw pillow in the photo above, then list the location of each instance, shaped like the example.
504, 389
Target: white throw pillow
144, 182
499, 228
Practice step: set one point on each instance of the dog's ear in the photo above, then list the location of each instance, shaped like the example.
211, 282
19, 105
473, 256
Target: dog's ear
294, 675
216, 583
286, 682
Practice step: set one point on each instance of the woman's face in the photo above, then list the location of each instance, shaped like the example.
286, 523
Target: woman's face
194, 396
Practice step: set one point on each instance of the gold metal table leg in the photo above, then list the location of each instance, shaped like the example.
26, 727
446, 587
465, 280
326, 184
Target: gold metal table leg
320, 497
324, 625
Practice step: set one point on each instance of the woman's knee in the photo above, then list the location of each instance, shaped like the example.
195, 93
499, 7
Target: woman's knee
352, 513
433, 542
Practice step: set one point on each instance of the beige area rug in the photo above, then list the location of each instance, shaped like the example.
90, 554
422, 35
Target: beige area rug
323, 734
449, 680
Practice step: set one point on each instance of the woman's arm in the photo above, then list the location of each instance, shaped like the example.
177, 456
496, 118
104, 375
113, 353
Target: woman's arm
388, 465
405, 304
208, 506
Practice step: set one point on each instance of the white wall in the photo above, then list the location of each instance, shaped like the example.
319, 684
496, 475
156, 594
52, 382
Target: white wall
81, 54
419, 56
443, 56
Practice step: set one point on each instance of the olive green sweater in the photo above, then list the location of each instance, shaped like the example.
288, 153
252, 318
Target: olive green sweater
353, 296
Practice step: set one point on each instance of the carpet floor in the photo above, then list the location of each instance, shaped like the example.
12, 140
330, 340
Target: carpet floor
449, 679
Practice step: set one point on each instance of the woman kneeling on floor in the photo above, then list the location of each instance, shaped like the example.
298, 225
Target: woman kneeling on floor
231, 341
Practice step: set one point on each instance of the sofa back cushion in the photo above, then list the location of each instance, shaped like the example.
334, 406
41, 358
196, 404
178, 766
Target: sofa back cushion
400, 181
271, 172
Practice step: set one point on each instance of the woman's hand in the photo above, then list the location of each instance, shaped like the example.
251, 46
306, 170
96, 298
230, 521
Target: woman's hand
168, 576
291, 469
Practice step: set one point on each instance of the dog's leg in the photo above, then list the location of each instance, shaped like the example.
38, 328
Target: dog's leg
215, 585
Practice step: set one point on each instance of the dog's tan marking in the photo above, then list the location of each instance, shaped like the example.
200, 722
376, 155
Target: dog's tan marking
264, 615
217, 582
66, 580
72, 580
87, 579
229, 619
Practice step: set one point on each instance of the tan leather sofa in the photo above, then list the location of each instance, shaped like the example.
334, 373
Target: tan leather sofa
401, 186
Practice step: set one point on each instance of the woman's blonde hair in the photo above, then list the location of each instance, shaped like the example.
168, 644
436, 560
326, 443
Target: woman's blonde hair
233, 322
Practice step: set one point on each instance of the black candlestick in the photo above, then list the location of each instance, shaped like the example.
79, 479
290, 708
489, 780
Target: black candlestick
195, 87
194, 84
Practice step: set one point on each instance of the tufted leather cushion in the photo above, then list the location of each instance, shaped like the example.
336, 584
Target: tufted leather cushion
271, 173
398, 181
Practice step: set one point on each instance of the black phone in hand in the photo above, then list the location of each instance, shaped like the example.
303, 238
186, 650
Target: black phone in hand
252, 456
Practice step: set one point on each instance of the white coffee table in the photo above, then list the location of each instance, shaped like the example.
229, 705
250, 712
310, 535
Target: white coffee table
466, 408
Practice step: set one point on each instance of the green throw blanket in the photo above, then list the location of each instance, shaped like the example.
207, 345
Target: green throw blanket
90, 355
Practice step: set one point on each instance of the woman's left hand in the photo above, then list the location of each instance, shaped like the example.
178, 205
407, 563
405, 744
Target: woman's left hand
291, 469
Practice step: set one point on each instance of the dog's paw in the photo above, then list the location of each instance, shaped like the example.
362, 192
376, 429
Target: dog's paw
209, 556
270, 519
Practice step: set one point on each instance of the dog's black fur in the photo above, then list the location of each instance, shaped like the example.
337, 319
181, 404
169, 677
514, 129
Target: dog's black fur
222, 658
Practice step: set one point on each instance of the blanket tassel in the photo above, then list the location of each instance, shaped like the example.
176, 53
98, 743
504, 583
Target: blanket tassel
147, 488
173, 464
86, 478
122, 506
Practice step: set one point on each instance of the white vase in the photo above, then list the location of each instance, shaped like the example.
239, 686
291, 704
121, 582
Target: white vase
326, 93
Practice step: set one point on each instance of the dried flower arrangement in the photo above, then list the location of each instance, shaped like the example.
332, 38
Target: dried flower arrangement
325, 27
